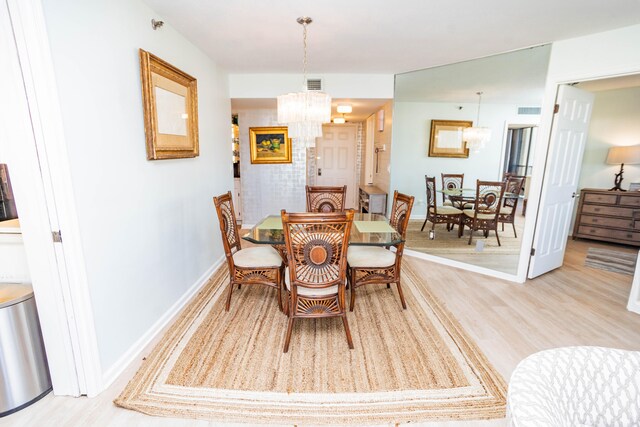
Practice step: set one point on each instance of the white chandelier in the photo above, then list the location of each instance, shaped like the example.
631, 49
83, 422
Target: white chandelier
304, 112
476, 137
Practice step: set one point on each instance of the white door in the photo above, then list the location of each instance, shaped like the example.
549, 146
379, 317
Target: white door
568, 137
336, 159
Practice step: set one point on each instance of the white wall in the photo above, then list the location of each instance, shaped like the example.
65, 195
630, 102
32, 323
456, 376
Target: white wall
370, 86
410, 159
148, 229
615, 121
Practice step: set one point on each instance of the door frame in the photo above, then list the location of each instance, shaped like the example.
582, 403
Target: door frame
537, 192
356, 175
44, 195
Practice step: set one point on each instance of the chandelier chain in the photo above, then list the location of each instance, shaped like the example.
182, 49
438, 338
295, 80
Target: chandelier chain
479, 101
304, 60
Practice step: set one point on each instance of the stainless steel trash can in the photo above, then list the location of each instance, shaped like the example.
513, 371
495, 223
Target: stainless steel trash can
24, 374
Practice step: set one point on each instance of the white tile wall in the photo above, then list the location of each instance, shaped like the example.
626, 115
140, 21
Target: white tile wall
266, 189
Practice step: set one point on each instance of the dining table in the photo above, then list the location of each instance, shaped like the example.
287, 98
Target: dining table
367, 230
461, 197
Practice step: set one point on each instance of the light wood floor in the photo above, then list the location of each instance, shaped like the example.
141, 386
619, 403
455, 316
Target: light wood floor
573, 305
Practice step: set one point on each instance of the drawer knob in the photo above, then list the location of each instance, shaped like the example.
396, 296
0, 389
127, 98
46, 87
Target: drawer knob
629, 236
594, 220
596, 209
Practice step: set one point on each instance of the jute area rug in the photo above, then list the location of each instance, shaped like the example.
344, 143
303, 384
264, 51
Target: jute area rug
611, 260
447, 242
408, 365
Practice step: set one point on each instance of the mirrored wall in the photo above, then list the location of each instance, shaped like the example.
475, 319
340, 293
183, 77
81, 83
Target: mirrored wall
512, 87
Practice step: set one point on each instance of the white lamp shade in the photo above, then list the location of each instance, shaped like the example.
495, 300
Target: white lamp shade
344, 109
339, 120
628, 155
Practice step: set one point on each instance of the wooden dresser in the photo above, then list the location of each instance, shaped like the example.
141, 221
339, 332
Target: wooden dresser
612, 216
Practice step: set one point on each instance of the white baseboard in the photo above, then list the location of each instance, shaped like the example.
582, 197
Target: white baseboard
111, 374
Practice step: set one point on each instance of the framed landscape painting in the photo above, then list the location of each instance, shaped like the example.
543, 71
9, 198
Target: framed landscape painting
270, 145
446, 138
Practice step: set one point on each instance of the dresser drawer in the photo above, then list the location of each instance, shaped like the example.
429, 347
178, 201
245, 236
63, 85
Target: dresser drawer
607, 210
608, 233
609, 222
629, 201
601, 198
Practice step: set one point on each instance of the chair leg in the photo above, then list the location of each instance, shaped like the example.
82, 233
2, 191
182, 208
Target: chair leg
279, 282
502, 226
470, 235
352, 301
288, 336
404, 304
388, 285
346, 329
239, 285
423, 224
498, 237
514, 230
226, 307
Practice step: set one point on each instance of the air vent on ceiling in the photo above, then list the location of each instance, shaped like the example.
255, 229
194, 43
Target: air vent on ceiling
314, 84
529, 110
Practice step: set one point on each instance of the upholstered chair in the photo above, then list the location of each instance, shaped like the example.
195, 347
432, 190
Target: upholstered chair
317, 263
484, 215
374, 265
326, 199
451, 181
439, 214
509, 207
260, 265
575, 386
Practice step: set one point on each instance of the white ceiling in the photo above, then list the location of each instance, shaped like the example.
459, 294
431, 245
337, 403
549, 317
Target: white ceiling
380, 36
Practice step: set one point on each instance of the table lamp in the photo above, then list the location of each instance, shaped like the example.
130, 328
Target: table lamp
619, 156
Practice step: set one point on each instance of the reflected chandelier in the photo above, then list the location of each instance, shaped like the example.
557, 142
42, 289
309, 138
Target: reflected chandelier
476, 136
304, 112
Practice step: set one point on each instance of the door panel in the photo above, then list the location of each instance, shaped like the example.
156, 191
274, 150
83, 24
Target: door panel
568, 138
337, 159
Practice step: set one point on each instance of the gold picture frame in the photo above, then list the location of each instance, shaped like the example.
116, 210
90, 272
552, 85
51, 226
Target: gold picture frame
446, 138
270, 145
170, 100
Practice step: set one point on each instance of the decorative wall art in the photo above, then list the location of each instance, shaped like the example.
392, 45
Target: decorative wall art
170, 99
446, 138
270, 145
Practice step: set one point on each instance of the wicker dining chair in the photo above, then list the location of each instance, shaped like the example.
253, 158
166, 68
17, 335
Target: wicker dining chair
513, 184
368, 265
326, 199
317, 263
484, 215
451, 181
439, 214
260, 265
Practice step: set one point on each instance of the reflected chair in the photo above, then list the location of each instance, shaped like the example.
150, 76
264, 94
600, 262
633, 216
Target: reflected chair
484, 215
261, 265
317, 264
439, 214
509, 207
451, 181
368, 265
326, 199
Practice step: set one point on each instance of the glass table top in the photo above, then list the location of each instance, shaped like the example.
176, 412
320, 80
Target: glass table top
367, 230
